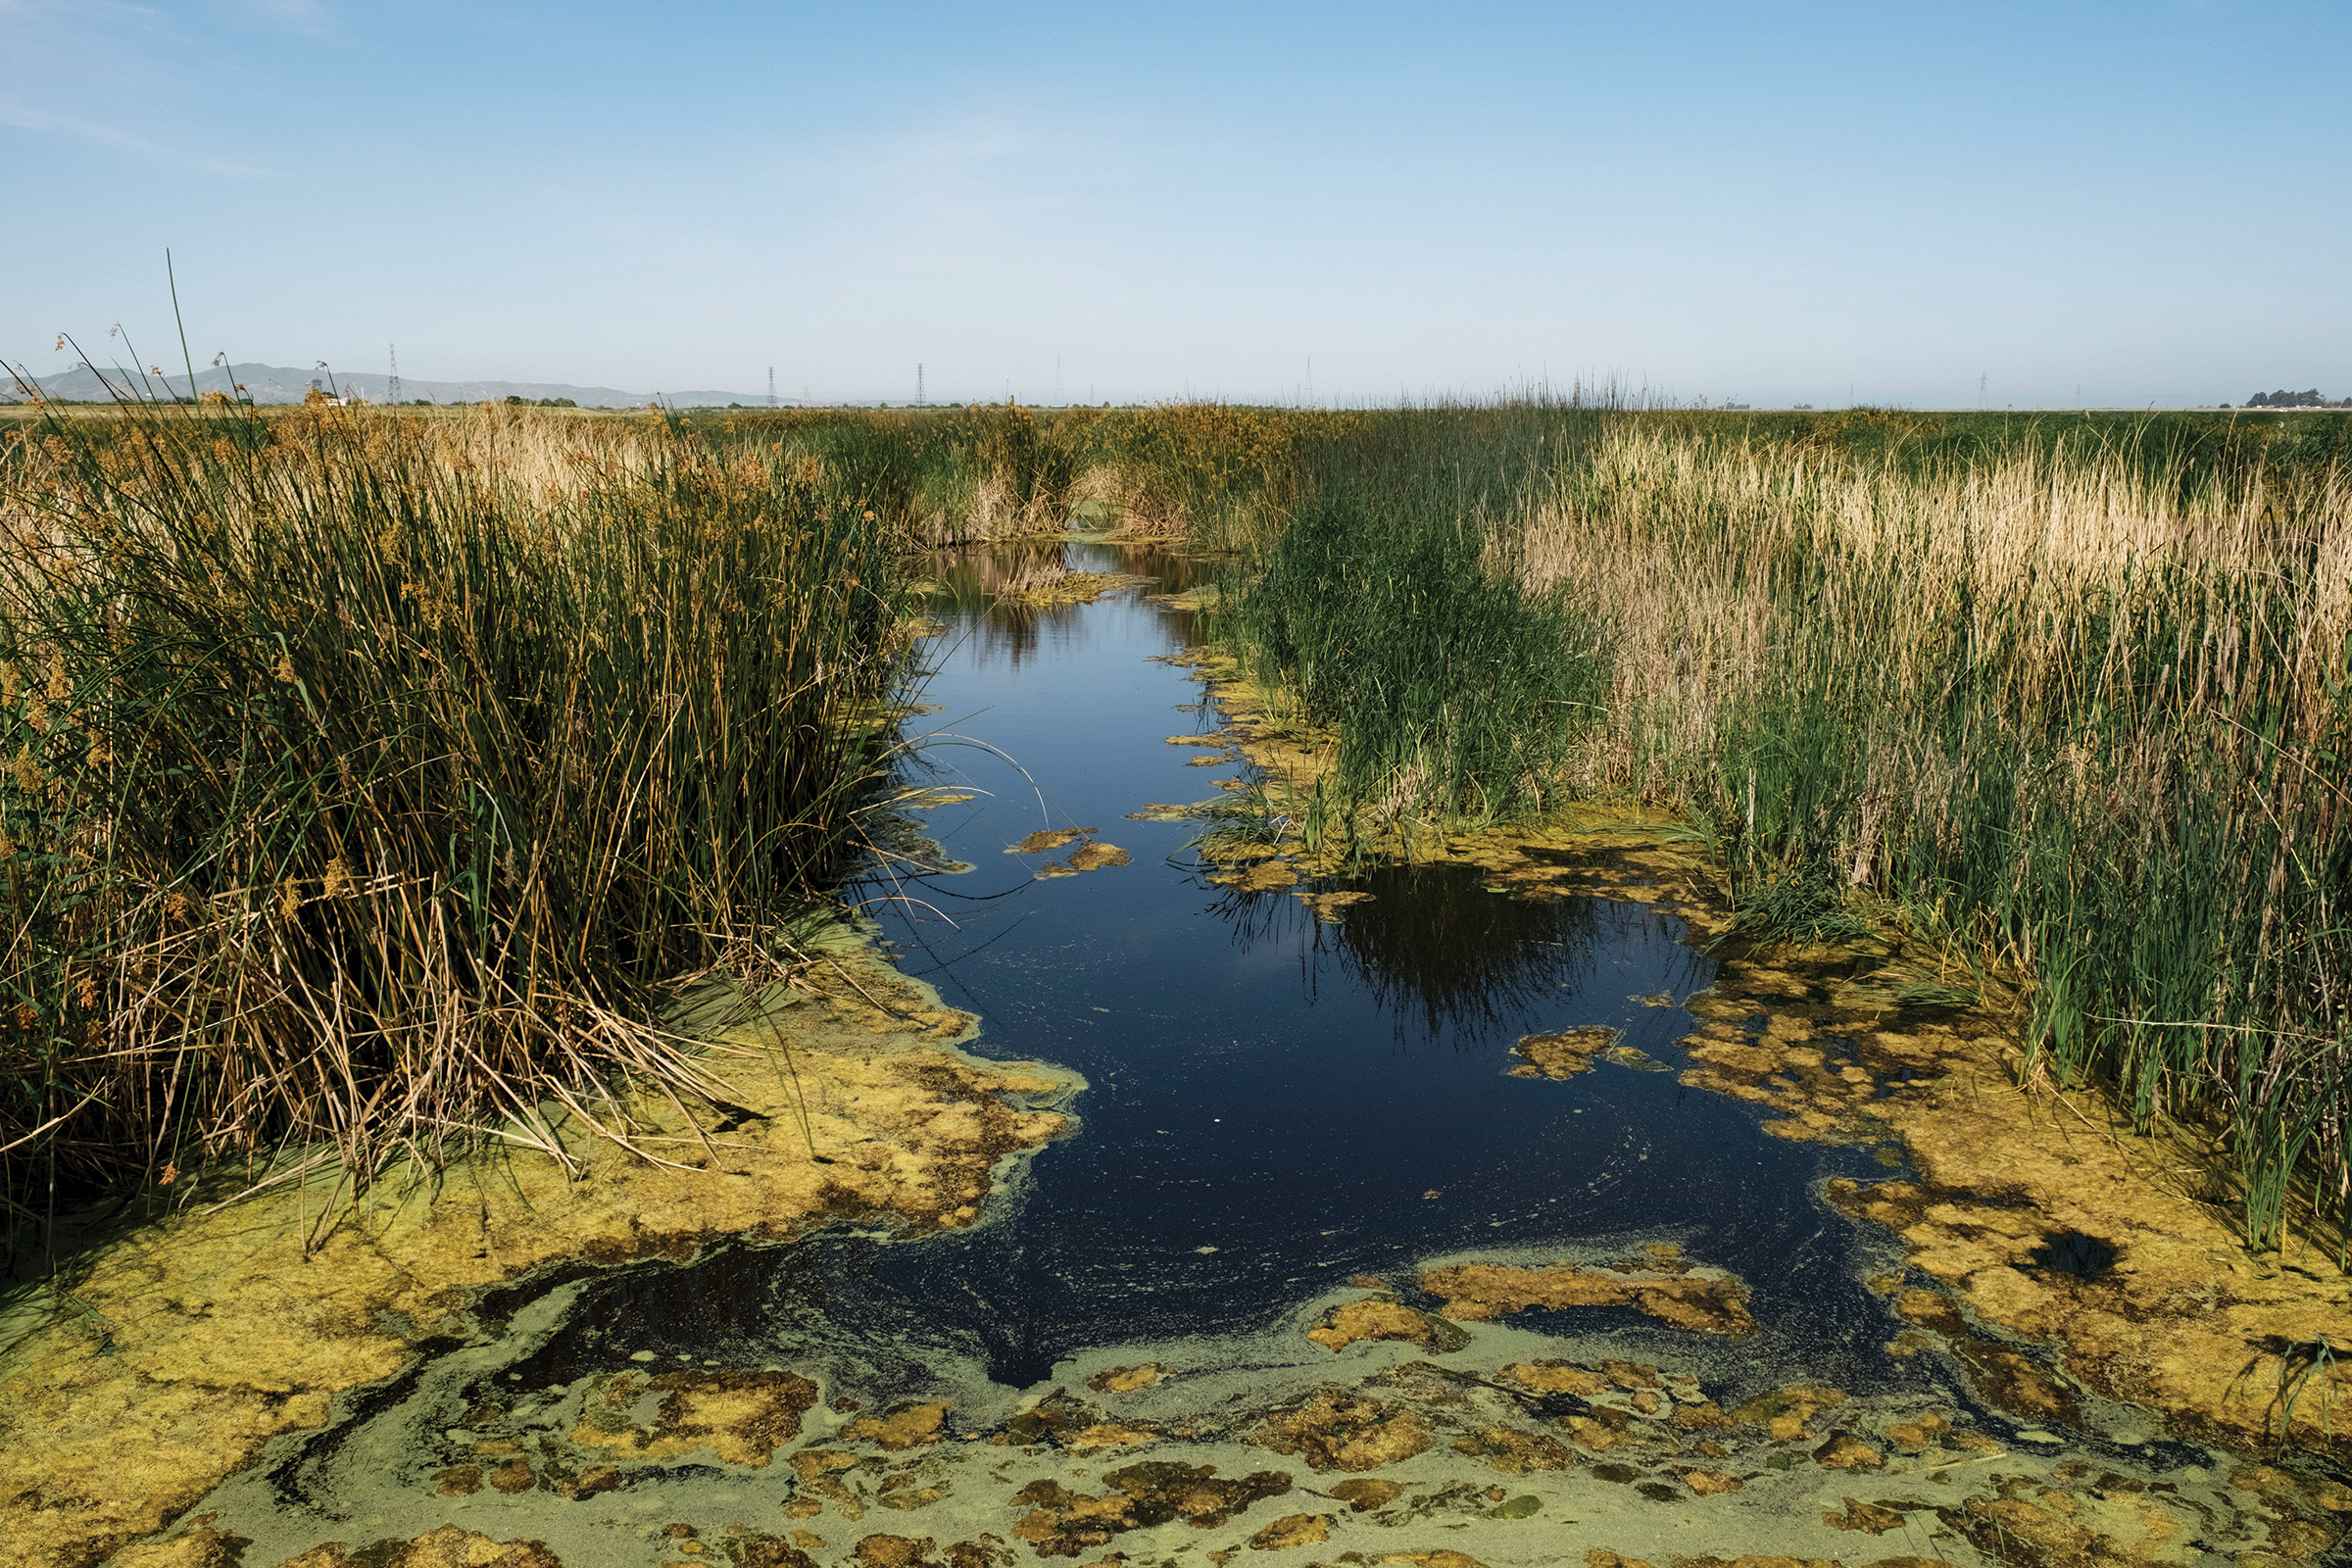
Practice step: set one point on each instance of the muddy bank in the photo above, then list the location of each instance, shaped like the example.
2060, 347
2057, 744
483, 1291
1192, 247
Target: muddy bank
178, 1348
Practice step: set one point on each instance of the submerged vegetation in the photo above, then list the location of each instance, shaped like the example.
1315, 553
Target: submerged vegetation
372, 773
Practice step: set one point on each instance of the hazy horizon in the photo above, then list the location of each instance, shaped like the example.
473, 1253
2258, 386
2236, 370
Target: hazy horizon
2078, 205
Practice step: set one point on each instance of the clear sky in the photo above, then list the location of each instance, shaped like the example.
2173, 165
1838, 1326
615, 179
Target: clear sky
2150, 202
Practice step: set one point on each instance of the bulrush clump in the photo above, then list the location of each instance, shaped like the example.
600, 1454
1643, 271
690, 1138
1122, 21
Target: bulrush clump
383, 774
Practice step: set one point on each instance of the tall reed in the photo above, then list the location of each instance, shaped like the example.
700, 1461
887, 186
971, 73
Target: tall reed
370, 778
2086, 705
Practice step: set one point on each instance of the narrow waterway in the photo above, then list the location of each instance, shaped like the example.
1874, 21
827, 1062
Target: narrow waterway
1273, 1100
1275, 1105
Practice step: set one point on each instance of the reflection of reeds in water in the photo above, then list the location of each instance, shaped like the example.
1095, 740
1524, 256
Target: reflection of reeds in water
1432, 948
364, 795
983, 584
1034, 575
986, 584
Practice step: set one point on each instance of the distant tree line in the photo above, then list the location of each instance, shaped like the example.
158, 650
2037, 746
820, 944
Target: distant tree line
2294, 399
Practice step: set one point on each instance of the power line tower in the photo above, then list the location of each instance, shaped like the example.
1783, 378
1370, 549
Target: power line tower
772, 386
392, 381
1982, 377
919, 387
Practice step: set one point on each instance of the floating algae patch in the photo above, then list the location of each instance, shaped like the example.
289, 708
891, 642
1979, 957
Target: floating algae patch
1260, 876
1382, 1318
1708, 1301
2055, 1252
1563, 1055
200, 1338
1360, 1423
736, 1417
1503, 1447
902, 844
1127, 1379
1331, 907
1162, 813
1068, 587
1046, 840
932, 800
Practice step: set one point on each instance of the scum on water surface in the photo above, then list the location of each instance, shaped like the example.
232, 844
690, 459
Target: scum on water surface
1319, 1275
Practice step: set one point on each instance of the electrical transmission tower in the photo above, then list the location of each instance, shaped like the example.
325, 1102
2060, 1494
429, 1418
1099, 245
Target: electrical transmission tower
918, 387
772, 386
392, 381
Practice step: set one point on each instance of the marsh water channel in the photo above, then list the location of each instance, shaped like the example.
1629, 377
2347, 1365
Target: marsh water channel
1274, 1108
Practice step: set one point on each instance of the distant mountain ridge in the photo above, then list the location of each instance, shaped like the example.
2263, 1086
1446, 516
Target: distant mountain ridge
277, 384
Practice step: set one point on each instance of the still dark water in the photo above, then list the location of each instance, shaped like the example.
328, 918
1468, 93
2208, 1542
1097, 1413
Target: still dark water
1276, 1105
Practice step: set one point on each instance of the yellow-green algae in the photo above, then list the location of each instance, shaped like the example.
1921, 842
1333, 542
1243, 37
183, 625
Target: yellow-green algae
190, 1340
1423, 1441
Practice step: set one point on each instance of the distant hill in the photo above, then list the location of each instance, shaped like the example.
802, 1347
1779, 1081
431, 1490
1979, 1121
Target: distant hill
275, 383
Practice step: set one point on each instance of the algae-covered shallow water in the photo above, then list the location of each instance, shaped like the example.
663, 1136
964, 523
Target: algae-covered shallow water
1276, 1109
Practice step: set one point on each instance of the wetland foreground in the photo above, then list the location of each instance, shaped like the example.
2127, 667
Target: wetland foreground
1470, 1210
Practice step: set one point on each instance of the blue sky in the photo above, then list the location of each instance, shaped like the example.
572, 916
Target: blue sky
1801, 203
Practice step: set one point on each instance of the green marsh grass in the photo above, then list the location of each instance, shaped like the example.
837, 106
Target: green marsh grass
371, 782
